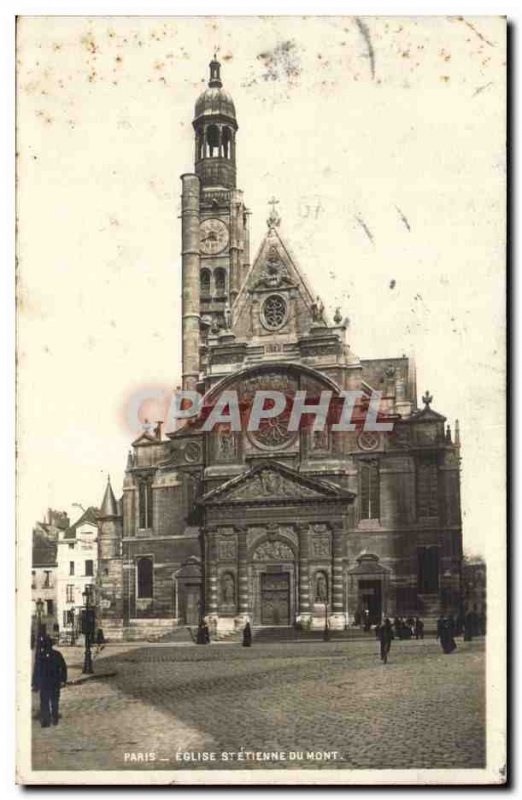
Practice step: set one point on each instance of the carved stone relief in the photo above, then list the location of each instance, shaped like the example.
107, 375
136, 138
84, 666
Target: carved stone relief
273, 551
269, 483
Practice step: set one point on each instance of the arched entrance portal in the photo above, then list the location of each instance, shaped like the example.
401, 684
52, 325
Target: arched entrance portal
273, 579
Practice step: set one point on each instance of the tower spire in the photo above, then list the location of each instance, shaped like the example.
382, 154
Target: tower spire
215, 76
109, 506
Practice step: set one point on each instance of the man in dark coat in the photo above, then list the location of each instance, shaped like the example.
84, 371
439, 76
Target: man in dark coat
445, 634
50, 674
203, 634
385, 638
419, 628
247, 635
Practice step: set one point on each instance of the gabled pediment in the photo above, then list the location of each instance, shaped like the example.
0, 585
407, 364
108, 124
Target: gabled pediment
272, 482
145, 438
275, 272
428, 415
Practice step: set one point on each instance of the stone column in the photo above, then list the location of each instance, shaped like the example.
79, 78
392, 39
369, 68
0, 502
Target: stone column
246, 245
234, 246
304, 616
190, 307
244, 614
211, 578
338, 616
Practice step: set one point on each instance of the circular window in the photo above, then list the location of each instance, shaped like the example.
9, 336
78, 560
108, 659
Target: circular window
273, 434
274, 312
368, 440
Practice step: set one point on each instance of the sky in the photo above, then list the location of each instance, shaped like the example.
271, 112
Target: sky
383, 140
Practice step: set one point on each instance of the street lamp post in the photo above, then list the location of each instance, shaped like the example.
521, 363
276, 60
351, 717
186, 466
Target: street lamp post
326, 634
87, 661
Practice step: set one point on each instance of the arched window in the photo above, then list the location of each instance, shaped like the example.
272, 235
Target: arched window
205, 282
225, 139
369, 489
144, 577
213, 140
220, 278
427, 487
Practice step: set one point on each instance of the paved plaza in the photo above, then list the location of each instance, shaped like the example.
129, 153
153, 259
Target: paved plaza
310, 704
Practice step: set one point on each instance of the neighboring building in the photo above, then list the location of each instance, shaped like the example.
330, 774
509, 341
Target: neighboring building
268, 526
77, 567
44, 566
474, 585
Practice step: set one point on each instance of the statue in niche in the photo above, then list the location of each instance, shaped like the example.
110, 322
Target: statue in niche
228, 589
320, 439
321, 588
226, 445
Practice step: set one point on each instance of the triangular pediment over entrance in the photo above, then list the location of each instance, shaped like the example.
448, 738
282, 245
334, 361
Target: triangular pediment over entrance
273, 483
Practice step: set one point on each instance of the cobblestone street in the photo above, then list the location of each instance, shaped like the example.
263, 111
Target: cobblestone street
423, 709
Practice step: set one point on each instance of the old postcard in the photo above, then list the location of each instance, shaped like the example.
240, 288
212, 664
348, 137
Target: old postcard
261, 531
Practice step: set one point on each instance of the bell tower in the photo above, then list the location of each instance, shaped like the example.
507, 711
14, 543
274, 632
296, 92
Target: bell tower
215, 128
215, 227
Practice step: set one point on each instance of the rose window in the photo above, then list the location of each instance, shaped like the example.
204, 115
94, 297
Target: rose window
274, 312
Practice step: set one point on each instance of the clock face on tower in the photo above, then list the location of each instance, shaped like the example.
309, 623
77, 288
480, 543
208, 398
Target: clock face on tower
213, 236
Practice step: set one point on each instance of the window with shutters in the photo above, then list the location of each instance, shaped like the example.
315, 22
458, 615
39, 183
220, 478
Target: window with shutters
427, 488
145, 504
369, 489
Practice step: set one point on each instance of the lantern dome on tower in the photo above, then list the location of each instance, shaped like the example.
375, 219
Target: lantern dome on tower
214, 101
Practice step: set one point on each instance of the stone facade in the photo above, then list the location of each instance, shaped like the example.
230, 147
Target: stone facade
275, 527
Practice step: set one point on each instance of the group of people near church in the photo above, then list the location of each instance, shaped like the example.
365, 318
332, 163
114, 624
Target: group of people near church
466, 625
203, 634
448, 627
409, 628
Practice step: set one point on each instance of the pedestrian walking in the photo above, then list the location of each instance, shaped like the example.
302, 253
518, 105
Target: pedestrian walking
50, 674
100, 640
247, 635
445, 634
385, 639
419, 628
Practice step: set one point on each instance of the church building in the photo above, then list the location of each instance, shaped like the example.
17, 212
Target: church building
274, 526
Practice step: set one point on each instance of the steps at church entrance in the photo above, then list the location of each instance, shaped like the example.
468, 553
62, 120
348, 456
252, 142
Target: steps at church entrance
264, 634
155, 630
